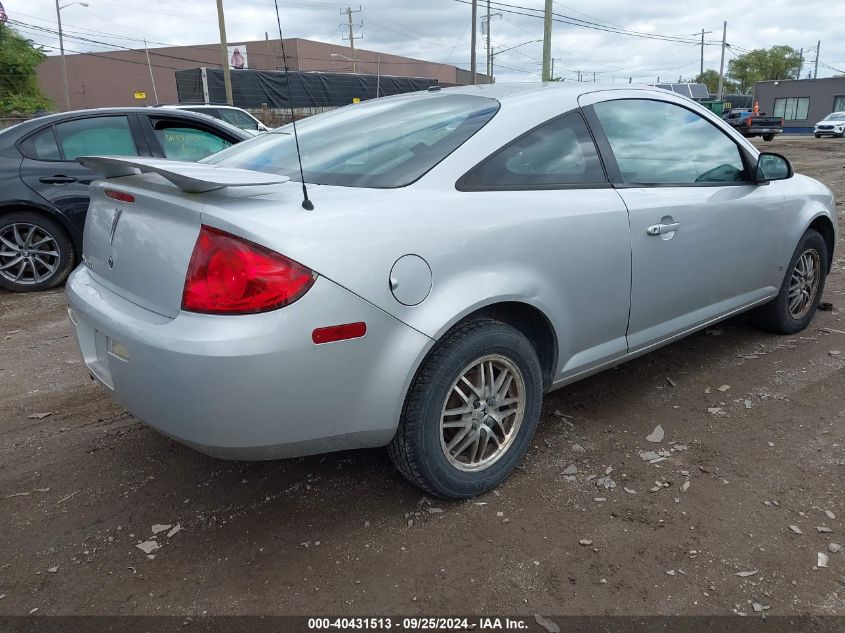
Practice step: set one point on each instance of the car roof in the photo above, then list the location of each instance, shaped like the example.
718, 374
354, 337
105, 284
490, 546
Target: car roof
42, 121
185, 106
501, 91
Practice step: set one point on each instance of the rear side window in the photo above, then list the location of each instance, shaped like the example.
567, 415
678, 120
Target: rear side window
560, 152
96, 136
212, 112
41, 146
238, 119
180, 141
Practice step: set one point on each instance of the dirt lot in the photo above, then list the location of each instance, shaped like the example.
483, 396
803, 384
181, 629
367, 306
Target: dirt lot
344, 534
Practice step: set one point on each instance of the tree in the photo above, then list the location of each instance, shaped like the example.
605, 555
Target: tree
710, 78
19, 90
778, 62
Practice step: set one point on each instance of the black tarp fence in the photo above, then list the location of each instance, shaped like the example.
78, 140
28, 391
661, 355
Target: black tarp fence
257, 88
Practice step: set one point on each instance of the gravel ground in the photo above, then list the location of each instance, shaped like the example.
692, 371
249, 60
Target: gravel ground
753, 445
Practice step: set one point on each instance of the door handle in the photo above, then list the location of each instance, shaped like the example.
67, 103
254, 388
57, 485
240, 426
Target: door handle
57, 180
662, 229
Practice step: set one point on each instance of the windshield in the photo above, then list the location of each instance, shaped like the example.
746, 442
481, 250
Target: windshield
382, 143
835, 116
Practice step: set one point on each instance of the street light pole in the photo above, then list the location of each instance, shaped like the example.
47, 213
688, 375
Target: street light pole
62, 46
62, 50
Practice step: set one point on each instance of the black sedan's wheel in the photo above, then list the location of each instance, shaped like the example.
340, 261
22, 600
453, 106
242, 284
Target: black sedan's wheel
35, 252
794, 307
470, 412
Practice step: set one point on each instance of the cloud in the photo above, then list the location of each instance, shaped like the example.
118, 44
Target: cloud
439, 30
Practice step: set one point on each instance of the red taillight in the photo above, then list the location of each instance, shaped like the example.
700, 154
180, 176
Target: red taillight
231, 275
338, 332
122, 196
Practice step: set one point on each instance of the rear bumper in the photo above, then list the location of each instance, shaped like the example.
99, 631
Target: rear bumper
253, 386
760, 131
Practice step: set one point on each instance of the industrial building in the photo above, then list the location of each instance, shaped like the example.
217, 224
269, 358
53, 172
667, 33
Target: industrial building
122, 78
801, 102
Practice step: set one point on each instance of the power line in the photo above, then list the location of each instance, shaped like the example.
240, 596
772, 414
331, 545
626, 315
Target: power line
572, 21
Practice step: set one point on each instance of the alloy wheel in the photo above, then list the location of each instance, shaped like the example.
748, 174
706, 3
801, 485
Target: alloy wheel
804, 284
482, 413
28, 253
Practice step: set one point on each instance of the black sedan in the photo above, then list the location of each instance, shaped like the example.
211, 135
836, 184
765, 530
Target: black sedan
44, 191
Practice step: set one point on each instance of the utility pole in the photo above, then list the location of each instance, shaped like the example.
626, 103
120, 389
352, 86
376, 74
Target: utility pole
702, 53
224, 53
472, 41
488, 40
150, 66
552, 70
722, 63
800, 63
352, 37
816, 71
547, 40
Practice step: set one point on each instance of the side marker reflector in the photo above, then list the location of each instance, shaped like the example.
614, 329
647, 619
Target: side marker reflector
338, 332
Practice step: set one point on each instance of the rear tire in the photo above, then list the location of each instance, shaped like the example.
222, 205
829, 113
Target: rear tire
794, 307
36, 253
495, 411
769, 137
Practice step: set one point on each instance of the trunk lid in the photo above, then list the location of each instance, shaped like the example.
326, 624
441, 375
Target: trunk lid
140, 244
141, 249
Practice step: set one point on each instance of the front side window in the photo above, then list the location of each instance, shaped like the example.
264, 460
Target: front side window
560, 152
792, 108
655, 142
96, 136
180, 141
41, 146
381, 143
238, 119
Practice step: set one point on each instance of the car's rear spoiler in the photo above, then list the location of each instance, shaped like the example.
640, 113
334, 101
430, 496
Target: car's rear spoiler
190, 177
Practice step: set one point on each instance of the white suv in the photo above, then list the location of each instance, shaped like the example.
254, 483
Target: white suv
236, 116
833, 125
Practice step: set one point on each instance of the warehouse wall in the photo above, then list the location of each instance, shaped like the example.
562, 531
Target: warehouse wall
821, 94
112, 78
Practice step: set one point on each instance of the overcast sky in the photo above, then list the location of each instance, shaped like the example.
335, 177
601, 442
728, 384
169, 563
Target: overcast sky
439, 30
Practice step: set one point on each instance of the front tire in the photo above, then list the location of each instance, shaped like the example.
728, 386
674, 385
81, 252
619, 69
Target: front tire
36, 253
794, 307
471, 411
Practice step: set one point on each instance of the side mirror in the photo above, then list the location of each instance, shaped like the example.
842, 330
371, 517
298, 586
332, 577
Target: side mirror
772, 167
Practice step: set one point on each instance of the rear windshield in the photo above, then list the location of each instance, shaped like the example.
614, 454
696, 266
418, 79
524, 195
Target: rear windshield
381, 143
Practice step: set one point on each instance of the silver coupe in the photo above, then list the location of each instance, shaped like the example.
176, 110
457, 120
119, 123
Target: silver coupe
468, 250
